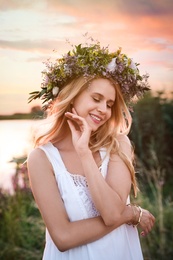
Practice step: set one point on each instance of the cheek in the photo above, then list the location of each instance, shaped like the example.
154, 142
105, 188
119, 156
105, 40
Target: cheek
80, 110
109, 114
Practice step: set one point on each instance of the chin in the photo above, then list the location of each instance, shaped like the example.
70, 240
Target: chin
94, 129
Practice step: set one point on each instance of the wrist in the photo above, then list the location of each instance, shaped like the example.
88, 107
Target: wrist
130, 214
84, 153
139, 215
136, 215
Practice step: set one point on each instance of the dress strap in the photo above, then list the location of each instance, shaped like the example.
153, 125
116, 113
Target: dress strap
105, 160
52, 155
54, 158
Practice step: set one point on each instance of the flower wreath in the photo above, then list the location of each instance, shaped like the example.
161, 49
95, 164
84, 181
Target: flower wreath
92, 61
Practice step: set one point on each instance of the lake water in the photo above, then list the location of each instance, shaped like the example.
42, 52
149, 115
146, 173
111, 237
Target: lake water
15, 141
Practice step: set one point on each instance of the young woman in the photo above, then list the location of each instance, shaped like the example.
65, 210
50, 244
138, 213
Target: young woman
81, 171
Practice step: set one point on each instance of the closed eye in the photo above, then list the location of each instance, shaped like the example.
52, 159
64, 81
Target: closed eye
96, 99
109, 106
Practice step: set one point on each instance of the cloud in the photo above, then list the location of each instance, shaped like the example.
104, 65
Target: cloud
131, 7
153, 26
18, 4
38, 59
150, 7
143, 18
42, 45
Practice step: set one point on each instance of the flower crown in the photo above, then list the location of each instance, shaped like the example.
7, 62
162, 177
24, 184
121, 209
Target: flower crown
91, 61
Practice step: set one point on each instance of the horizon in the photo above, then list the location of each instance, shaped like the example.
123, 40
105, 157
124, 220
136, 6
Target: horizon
31, 31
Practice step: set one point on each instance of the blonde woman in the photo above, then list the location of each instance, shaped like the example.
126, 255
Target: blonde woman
81, 170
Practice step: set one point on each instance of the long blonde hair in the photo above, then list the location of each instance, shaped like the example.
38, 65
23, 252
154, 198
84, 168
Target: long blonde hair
105, 136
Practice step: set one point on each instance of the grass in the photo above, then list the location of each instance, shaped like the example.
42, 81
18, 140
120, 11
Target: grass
21, 227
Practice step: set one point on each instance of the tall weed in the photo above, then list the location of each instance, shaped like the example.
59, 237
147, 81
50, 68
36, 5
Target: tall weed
21, 227
159, 243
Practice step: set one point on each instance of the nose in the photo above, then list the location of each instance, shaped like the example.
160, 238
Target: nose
102, 108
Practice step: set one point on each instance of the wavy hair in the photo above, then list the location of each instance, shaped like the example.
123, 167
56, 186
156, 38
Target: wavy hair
104, 137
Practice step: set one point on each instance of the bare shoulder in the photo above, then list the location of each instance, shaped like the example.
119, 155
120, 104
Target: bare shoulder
125, 145
37, 162
124, 139
36, 154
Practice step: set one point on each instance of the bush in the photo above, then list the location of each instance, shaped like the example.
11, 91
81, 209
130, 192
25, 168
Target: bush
158, 243
21, 227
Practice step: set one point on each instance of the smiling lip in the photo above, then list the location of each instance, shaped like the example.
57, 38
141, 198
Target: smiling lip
95, 118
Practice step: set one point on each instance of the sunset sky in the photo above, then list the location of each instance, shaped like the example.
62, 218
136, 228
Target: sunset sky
31, 30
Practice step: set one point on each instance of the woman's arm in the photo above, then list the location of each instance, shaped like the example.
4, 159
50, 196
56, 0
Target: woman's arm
64, 233
109, 196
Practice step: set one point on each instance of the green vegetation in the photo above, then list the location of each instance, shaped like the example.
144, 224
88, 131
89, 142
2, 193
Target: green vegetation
21, 226
35, 113
152, 135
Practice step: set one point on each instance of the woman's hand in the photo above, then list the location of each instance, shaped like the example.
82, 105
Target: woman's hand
142, 218
147, 222
80, 131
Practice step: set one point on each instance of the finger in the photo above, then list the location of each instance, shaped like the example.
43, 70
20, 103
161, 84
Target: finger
69, 115
74, 111
143, 234
148, 228
74, 117
78, 121
71, 125
75, 126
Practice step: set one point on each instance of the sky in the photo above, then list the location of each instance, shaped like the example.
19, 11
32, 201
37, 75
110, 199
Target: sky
31, 30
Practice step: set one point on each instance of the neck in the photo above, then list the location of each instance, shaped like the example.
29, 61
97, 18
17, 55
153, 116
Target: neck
65, 142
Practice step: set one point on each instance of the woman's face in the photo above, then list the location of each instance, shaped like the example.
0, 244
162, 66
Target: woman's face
95, 102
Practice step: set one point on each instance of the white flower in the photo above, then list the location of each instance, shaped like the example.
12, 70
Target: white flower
112, 65
134, 68
55, 91
133, 65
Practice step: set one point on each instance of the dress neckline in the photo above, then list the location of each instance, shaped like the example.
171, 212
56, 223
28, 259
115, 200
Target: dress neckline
63, 164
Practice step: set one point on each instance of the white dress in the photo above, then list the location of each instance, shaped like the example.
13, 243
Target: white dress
121, 244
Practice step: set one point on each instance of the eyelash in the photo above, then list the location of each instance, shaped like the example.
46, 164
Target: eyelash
98, 100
